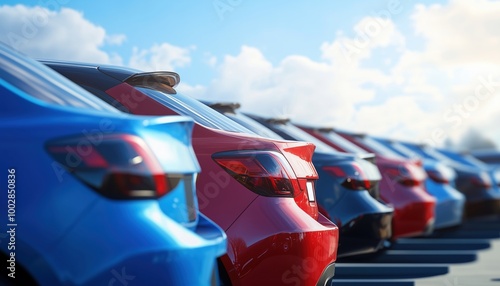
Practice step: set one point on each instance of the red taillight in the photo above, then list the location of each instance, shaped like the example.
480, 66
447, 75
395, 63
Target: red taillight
407, 175
266, 173
119, 166
482, 180
437, 177
409, 182
351, 174
418, 162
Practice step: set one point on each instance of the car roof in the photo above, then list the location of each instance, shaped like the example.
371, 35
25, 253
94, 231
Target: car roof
28, 79
117, 72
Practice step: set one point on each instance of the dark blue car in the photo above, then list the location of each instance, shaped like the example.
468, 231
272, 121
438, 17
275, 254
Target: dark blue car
490, 157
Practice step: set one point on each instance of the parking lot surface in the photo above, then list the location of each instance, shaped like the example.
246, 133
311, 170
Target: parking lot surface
467, 255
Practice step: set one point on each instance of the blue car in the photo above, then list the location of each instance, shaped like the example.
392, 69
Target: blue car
469, 160
478, 183
490, 157
440, 183
96, 197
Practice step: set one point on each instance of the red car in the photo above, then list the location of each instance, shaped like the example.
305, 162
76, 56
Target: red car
402, 184
260, 191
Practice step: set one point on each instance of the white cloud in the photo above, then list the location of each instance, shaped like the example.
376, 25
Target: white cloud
210, 60
314, 92
370, 33
196, 91
67, 35
460, 48
160, 57
308, 90
115, 39
399, 117
460, 32
414, 94
64, 35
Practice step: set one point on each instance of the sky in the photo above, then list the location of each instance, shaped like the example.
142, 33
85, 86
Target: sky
421, 71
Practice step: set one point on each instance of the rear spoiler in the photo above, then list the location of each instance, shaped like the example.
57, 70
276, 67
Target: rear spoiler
357, 135
169, 80
370, 157
324, 129
225, 106
282, 121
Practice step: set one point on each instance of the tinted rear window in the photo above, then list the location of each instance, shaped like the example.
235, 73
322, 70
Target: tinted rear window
300, 135
193, 108
420, 151
379, 147
463, 158
44, 84
253, 125
407, 152
344, 143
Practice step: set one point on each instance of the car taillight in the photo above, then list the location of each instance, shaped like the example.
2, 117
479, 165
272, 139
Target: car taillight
482, 180
407, 175
119, 166
351, 174
437, 177
266, 173
418, 162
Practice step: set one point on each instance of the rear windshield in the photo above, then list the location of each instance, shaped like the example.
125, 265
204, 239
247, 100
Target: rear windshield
253, 125
407, 152
300, 135
453, 157
463, 158
438, 155
416, 149
193, 108
379, 147
42, 83
344, 143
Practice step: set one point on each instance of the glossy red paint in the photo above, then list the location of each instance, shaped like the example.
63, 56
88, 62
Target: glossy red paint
413, 206
271, 240
402, 186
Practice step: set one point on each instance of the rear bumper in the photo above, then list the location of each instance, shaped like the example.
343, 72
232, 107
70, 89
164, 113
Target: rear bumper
482, 207
450, 204
274, 242
415, 219
364, 222
414, 209
449, 213
365, 234
137, 243
327, 275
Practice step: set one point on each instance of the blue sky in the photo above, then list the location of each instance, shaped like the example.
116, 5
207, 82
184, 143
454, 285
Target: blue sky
221, 27
400, 69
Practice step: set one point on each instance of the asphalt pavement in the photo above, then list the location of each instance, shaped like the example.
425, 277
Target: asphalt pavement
465, 255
